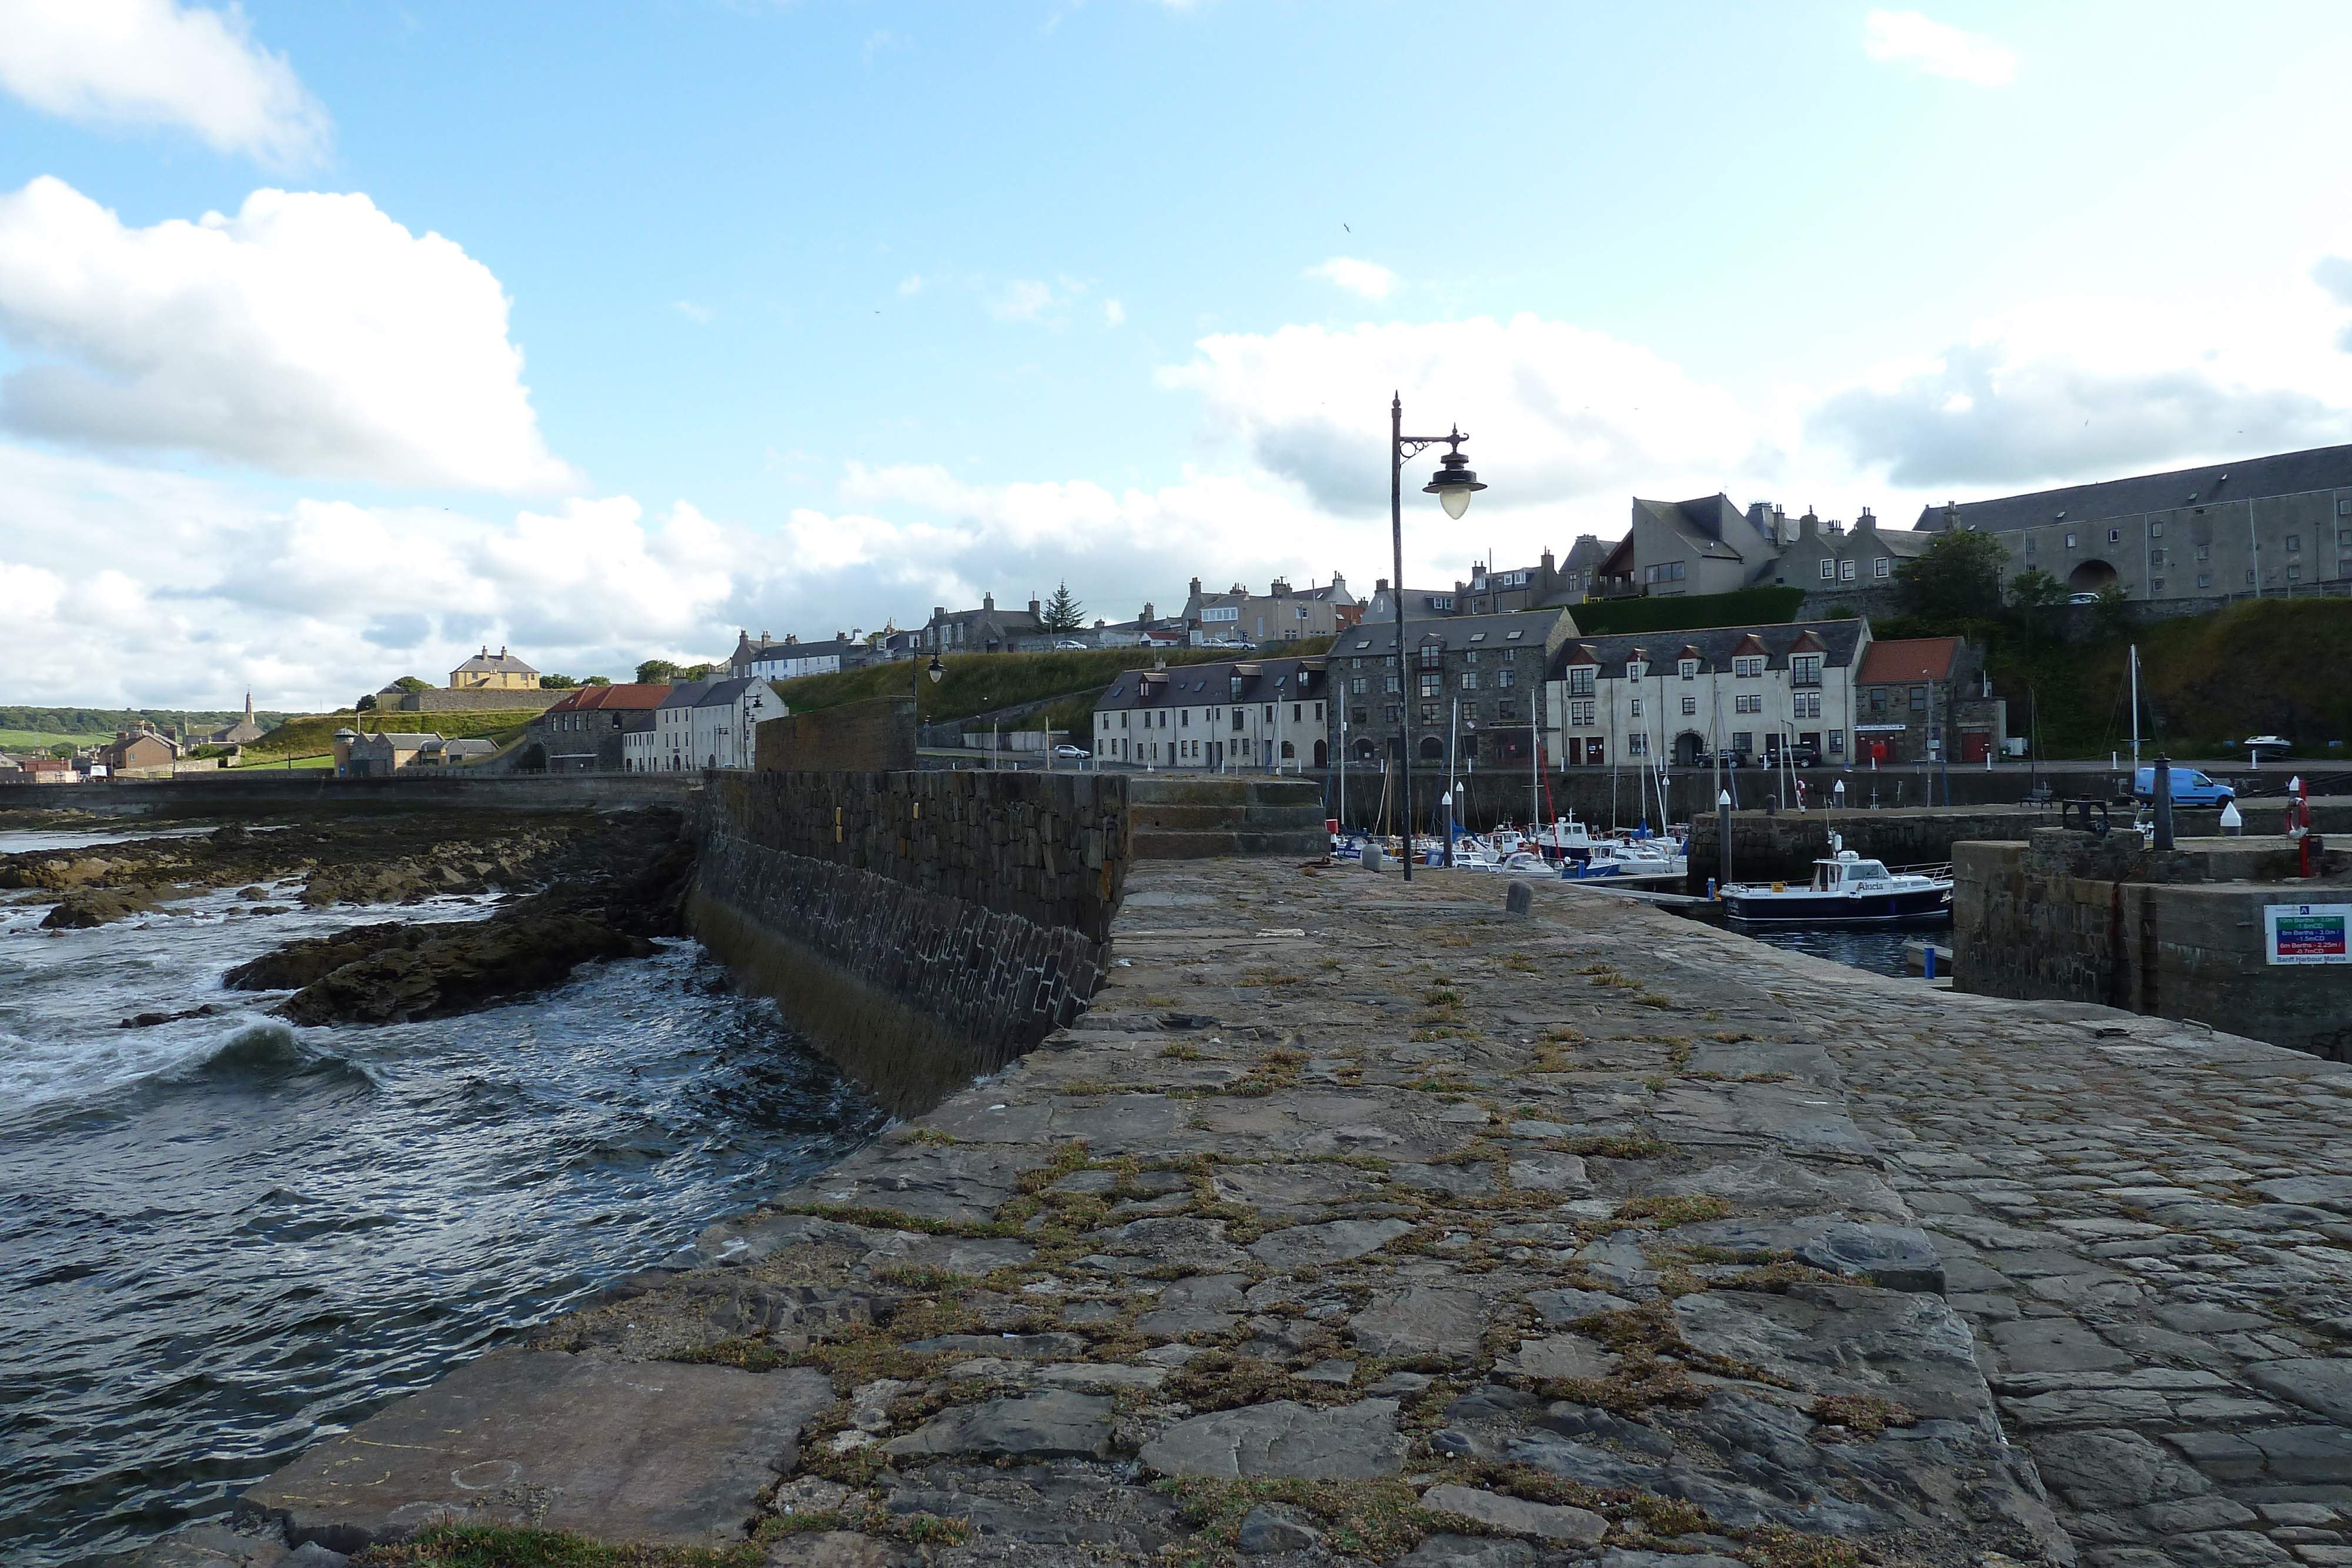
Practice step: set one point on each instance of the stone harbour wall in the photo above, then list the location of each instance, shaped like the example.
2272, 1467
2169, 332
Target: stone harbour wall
2064, 915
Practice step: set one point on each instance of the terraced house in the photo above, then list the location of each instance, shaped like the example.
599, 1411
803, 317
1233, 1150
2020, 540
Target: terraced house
1476, 686
1263, 715
1745, 692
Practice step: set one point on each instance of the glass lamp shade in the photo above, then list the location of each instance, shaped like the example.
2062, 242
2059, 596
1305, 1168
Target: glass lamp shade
1454, 483
937, 673
1455, 499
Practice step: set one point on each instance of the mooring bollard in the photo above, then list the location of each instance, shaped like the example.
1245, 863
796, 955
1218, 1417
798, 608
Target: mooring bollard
1372, 857
1518, 898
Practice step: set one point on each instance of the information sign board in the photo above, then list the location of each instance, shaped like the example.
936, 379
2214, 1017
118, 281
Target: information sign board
2307, 932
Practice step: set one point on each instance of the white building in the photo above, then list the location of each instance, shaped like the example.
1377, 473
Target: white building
1260, 715
1745, 691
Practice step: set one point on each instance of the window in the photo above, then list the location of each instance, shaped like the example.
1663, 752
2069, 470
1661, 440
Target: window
1690, 705
1878, 699
1883, 567
1432, 683
1395, 712
1837, 742
2293, 543
1472, 656
1634, 669
1829, 568
2204, 552
1358, 685
1747, 702
1806, 669
1634, 709
1809, 705
2156, 530
2344, 539
1579, 680
1579, 715
1432, 653
1918, 699
1747, 667
1359, 718
1186, 723
2250, 574
1432, 713
2029, 544
2156, 585
2070, 541
1846, 572
2204, 579
2156, 558
2294, 574
1637, 744
2114, 535
1389, 685
1238, 720
1503, 680
1743, 740
1688, 669
1664, 571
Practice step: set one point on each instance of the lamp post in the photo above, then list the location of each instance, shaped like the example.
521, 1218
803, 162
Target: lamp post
915, 673
1454, 483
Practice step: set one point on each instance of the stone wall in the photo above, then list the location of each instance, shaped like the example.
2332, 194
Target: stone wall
923, 928
869, 736
489, 699
237, 792
2065, 915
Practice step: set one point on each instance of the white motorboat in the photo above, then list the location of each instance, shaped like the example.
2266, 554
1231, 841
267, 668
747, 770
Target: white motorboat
1847, 890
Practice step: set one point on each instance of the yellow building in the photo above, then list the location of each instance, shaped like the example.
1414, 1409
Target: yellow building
486, 672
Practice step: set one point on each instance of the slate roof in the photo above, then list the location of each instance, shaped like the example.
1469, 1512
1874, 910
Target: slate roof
1714, 646
489, 663
1517, 629
395, 740
2287, 474
1710, 524
686, 694
721, 693
1909, 659
1200, 685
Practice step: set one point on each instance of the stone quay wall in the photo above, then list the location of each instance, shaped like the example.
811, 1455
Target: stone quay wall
2064, 915
925, 927
241, 792
485, 699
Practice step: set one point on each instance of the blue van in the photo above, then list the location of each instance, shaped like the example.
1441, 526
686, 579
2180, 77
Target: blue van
2189, 788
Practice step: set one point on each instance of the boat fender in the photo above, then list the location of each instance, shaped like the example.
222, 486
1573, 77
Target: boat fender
1779, 887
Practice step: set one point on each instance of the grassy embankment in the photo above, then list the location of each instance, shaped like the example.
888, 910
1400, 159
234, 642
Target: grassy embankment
313, 736
37, 742
976, 683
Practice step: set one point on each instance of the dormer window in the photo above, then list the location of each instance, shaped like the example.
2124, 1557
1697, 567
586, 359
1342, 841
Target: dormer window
1579, 680
1688, 669
1747, 667
1633, 668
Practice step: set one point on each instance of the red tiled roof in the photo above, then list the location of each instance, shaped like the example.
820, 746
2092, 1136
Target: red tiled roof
632, 695
1909, 659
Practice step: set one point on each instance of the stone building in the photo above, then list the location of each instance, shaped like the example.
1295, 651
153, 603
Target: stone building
1919, 699
788, 658
1827, 558
587, 731
986, 630
1475, 680
1547, 585
493, 672
245, 732
1705, 546
379, 754
140, 748
1260, 715
666, 743
1745, 692
1280, 615
2263, 525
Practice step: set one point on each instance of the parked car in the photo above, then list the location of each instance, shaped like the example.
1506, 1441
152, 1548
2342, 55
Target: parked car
1805, 754
1072, 751
2081, 599
2189, 788
1066, 642
2257, 743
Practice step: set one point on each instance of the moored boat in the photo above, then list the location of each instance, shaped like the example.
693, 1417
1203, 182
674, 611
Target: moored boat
1847, 890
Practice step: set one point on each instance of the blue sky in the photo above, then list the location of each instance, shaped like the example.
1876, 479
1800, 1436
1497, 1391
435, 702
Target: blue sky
604, 329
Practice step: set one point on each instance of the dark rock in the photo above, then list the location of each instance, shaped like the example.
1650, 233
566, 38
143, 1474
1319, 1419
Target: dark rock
1351, 1442
1517, 1516
149, 1021
1589, 1421
1276, 1527
1468, 1551
92, 906
1049, 1423
458, 967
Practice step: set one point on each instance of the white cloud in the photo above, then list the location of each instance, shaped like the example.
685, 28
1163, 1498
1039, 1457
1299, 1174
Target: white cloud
1368, 278
158, 63
1023, 301
912, 284
691, 311
2071, 389
1908, 37
1561, 414
1114, 313
307, 334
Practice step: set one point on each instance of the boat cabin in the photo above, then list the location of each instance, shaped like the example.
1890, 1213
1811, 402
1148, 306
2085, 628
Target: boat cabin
1846, 872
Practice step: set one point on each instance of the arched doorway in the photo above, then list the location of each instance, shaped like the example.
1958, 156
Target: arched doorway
1689, 746
1290, 752
2090, 577
1322, 754
1367, 750
1431, 749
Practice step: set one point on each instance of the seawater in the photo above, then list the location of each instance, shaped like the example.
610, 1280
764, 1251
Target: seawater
223, 1239
1878, 949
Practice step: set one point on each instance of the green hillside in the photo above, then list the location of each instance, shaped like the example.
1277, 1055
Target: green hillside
983, 683
313, 735
91, 724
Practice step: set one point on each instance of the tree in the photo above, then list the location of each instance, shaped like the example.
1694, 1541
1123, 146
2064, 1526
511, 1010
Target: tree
365, 703
413, 684
1062, 613
1957, 577
596, 680
656, 673
556, 682
2035, 589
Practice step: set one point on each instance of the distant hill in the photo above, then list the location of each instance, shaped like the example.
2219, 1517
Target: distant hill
105, 722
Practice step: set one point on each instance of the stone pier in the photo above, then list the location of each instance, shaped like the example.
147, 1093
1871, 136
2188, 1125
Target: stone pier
1365, 1222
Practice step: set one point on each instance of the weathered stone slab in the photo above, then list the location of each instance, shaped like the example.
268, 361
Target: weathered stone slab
1351, 1442
1517, 1516
1335, 1241
2053, 1344
2325, 1385
1420, 1320
1894, 1257
1046, 1423
1574, 1306
649, 1451
1564, 1355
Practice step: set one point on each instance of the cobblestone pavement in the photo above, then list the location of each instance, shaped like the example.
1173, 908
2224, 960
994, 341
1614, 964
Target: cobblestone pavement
1370, 1222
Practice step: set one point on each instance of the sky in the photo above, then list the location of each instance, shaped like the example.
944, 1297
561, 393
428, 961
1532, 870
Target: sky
339, 339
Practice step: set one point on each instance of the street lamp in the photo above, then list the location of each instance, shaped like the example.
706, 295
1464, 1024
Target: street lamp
1454, 483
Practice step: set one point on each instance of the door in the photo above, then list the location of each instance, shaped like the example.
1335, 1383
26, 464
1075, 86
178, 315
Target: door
1976, 745
1322, 754
1595, 752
